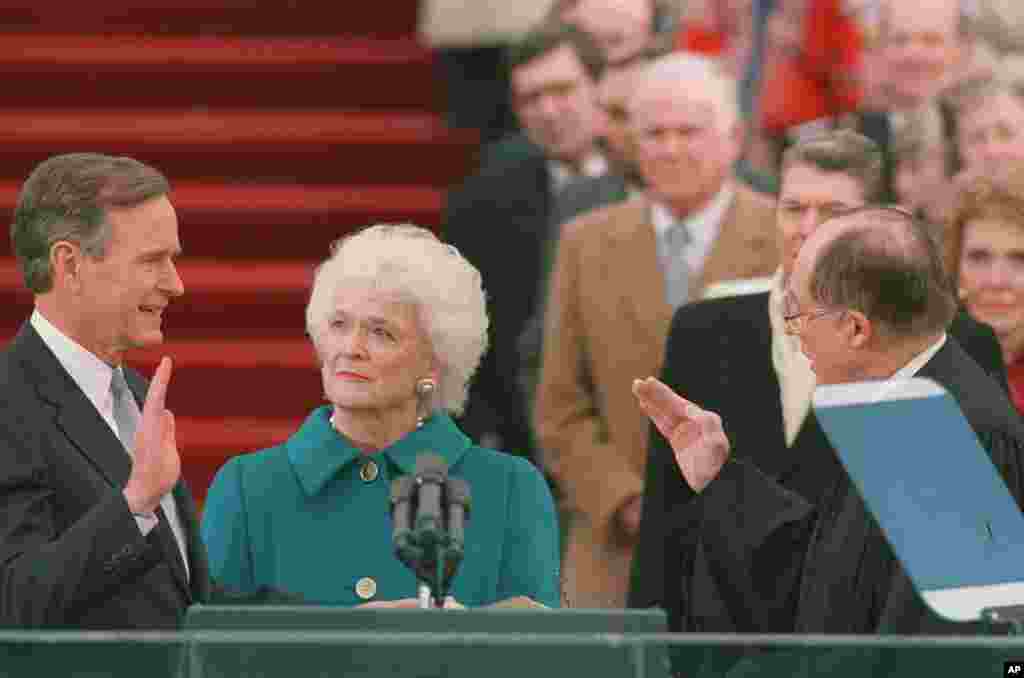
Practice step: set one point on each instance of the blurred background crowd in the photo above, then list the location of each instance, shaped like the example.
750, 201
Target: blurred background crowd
609, 117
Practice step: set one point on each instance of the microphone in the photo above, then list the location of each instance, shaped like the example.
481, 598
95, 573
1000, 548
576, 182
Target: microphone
458, 515
429, 512
430, 478
402, 489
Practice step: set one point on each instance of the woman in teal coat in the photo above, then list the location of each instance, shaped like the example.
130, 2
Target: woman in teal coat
398, 320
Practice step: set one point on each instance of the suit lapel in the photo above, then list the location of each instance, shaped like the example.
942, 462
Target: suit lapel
198, 563
739, 250
634, 271
74, 414
77, 418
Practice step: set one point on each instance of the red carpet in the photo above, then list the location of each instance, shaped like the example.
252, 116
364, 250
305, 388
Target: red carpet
282, 125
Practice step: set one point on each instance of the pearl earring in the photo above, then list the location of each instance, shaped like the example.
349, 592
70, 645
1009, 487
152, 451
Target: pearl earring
424, 392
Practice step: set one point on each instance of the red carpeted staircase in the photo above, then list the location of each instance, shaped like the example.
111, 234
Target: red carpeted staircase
282, 124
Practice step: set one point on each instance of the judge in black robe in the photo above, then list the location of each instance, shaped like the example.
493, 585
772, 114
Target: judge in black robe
795, 550
762, 558
719, 355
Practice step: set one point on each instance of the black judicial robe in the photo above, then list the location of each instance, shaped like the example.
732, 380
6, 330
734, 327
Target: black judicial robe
719, 355
790, 546
829, 566
781, 563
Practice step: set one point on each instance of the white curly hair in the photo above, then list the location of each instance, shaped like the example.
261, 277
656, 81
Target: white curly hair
413, 264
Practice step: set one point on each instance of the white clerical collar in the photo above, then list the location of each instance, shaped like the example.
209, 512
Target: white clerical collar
90, 373
594, 165
703, 224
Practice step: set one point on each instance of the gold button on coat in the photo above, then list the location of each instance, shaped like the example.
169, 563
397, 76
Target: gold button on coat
369, 471
366, 588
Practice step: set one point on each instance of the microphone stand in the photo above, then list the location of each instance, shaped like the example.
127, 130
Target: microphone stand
429, 512
426, 598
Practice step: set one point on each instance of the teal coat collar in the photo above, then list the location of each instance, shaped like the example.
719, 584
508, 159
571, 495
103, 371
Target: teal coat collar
317, 452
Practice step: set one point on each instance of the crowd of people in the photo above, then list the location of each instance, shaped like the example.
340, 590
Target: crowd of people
700, 218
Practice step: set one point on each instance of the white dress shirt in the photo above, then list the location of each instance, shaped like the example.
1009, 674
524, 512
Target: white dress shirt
703, 227
93, 376
792, 368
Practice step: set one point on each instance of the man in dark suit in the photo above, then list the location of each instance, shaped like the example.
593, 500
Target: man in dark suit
96, 529
500, 217
586, 193
733, 356
869, 301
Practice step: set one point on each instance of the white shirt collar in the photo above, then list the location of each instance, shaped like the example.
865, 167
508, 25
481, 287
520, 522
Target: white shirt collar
90, 373
920, 360
886, 386
594, 165
703, 224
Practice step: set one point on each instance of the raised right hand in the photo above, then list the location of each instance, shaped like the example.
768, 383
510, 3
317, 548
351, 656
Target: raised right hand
696, 435
157, 464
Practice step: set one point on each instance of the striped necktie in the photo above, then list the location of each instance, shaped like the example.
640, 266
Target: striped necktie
127, 417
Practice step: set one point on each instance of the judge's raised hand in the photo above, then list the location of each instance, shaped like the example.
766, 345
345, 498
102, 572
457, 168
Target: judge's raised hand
156, 464
696, 435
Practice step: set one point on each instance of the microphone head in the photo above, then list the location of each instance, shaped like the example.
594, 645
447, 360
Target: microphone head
430, 466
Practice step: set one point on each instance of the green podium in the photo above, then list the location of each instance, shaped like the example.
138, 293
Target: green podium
321, 652
473, 643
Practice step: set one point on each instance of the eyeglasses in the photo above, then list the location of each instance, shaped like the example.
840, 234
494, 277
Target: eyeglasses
795, 323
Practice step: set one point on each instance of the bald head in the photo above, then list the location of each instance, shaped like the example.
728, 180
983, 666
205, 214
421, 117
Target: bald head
883, 263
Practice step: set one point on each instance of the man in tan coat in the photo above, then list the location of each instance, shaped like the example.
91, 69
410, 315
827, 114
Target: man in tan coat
619, 274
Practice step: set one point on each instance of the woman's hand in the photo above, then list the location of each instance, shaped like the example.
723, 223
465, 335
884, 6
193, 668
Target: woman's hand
410, 604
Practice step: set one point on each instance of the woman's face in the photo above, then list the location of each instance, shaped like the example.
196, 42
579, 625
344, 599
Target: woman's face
991, 132
373, 351
992, 273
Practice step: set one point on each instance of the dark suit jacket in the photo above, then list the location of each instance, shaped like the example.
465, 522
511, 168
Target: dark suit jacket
71, 554
499, 220
719, 355
585, 194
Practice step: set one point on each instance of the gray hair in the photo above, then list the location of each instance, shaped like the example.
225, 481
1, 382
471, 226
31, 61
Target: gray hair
445, 289
66, 198
888, 266
696, 75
